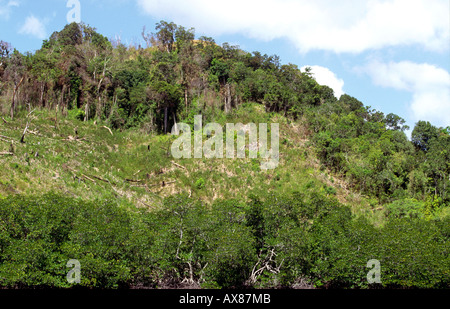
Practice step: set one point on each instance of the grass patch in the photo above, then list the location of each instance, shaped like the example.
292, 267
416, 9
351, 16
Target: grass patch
83, 159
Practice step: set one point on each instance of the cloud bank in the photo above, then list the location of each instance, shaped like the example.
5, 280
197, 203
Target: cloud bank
429, 85
345, 26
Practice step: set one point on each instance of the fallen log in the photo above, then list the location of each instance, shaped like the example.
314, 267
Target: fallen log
163, 183
75, 172
136, 173
101, 179
108, 130
88, 178
133, 180
168, 183
178, 165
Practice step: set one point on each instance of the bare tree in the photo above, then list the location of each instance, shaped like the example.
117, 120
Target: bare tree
16, 73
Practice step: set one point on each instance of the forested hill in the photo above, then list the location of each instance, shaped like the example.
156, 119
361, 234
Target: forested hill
177, 76
88, 118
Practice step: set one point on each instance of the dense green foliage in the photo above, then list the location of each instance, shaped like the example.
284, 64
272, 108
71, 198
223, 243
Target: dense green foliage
374, 154
269, 240
276, 242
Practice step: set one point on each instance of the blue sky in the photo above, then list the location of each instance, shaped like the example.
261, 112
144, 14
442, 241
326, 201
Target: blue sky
393, 55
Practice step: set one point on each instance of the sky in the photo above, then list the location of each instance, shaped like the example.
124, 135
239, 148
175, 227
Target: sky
392, 55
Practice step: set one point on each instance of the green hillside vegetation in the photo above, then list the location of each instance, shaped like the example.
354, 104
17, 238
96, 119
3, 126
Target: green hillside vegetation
87, 173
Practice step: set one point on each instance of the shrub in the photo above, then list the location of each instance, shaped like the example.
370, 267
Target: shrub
223, 245
200, 183
410, 208
40, 234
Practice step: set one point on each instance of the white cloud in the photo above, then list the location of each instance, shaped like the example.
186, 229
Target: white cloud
429, 85
326, 77
340, 26
35, 27
5, 8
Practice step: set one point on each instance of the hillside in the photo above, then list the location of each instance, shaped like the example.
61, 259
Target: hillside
88, 173
87, 160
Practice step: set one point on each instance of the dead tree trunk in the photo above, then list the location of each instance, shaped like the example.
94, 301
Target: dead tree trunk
186, 98
22, 140
86, 111
13, 104
56, 116
61, 103
41, 98
99, 86
99, 108
175, 121
165, 119
230, 98
113, 106
227, 98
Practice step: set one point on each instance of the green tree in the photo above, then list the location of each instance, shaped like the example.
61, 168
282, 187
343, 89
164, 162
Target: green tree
395, 122
438, 165
350, 103
183, 37
71, 35
165, 35
188, 66
424, 132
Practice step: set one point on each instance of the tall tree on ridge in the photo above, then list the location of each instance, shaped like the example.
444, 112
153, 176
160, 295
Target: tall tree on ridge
166, 35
